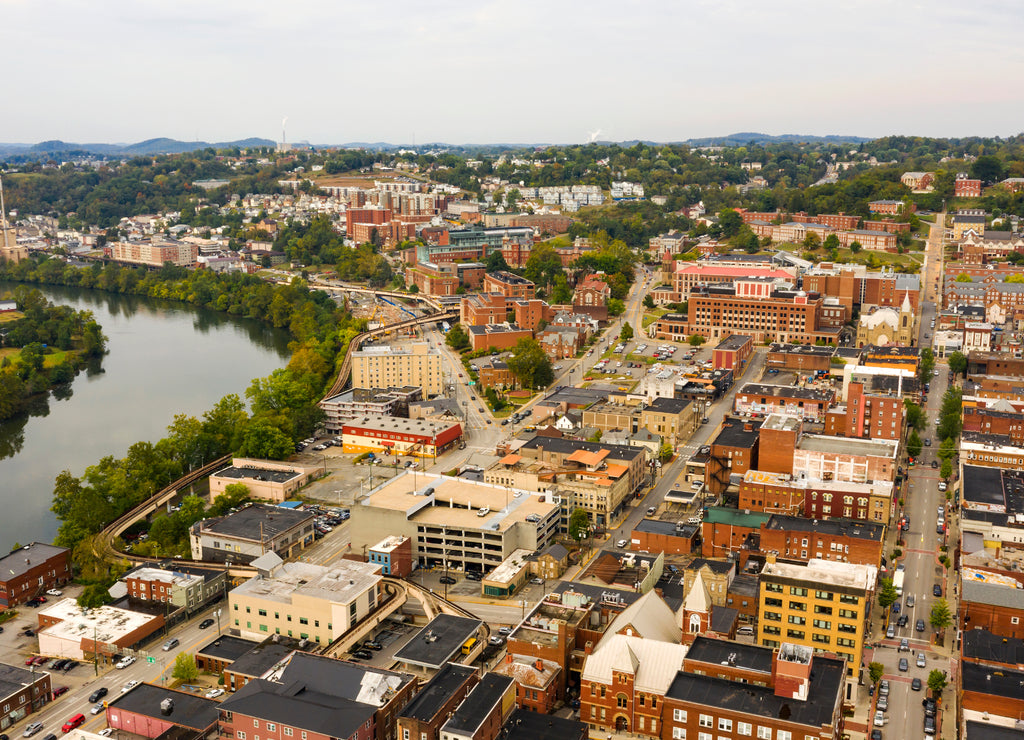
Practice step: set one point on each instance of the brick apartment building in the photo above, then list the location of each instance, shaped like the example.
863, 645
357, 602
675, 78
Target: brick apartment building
496, 336
995, 607
30, 570
803, 358
728, 689
591, 297
733, 352
809, 404
870, 415
816, 499
840, 540
24, 692
435, 702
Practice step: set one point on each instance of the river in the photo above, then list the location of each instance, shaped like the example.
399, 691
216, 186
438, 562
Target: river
163, 358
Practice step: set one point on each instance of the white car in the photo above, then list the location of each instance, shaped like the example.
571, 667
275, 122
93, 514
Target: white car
621, 543
125, 662
214, 693
129, 686
106, 732
54, 592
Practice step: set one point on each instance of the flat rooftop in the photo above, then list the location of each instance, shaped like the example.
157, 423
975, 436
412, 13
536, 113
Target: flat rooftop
190, 710
738, 433
850, 575
430, 699
256, 521
252, 472
447, 501
802, 349
782, 422
725, 652
439, 641
992, 648
786, 391
825, 693
422, 427
227, 648
734, 342
849, 445
14, 678
666, 529
836, 527
468, 716
340, 583
20, 561
104, 623
982, 679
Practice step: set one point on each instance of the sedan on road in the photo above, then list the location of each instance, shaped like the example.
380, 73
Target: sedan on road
937, 589
205, 623
904, 665
919, 625
97, 694
916, 684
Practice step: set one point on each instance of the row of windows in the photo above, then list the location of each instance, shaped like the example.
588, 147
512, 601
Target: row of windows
744, 729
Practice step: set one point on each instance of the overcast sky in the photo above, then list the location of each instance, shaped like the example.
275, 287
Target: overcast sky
513, 71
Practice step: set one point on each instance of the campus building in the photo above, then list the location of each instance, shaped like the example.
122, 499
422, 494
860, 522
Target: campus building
384, 366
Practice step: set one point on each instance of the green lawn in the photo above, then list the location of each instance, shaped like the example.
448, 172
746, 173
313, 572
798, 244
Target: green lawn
8, 316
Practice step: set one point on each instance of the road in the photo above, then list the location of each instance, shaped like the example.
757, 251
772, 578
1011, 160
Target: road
57, 712
704, 434
921, 542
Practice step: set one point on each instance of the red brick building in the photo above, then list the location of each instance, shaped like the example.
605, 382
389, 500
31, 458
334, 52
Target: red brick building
757, 308
868, 415
842, 540
509, 285
138, 713
991, 606
966, 187
728, 689
482, 309
432, 279
538, 687
30, 570
809, 404
496, 336
530, 313
733, 352
591, 297
424, 715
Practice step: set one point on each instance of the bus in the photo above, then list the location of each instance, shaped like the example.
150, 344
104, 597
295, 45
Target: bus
897, 581
467, 648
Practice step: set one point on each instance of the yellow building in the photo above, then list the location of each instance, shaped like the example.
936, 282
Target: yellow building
884, 325
303, 600
824, 605
416, 364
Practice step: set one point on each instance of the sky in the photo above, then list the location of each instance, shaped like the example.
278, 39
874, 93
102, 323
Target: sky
517, 71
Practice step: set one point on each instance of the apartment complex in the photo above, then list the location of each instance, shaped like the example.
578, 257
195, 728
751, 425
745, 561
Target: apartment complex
822, 604
155, 253
509, 285
416, 364
32, 569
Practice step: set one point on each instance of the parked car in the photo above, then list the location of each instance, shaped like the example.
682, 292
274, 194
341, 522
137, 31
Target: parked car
124, 662
32, 729
372, 645
929, 725
880, 719
929, 707
205, 623
537, 581
496, 640
214, 693
60, 691
69, 665
472, 575
937, 589
890, 631
447, 580
363, 654
883, 704
504, 630
883, 687
106, 732
621, 543
54, 592
129, 686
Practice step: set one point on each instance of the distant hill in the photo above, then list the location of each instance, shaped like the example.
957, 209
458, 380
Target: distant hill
150, 146
742, 139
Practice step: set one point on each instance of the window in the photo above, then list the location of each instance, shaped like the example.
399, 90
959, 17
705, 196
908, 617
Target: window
703, 736
764, 733
678, 715
725, 725
405, 734
744, 728
784, 735
240, 735
706, 720
797, 591
793, 619
303, 620
1014, 620
288, 731
256, 724
621, 701
271, 727
678, 733
823, 595
262, 612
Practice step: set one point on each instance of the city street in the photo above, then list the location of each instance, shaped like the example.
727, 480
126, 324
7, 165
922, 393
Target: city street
921, 551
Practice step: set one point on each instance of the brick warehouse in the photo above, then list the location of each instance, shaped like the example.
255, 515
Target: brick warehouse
31, 570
